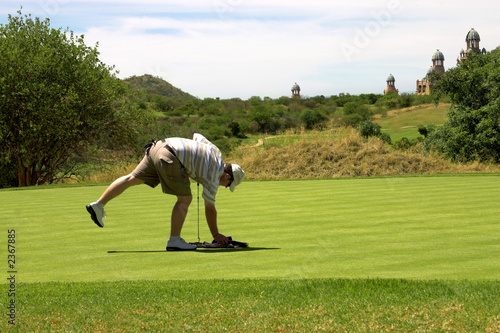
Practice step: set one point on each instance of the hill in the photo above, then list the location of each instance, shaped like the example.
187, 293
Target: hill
157, 86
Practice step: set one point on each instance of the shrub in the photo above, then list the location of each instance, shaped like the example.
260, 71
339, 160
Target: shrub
405, 143
355, 112
312, 118
368, 129
405, 100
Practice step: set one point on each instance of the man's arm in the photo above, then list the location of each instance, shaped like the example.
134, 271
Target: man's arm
211, 215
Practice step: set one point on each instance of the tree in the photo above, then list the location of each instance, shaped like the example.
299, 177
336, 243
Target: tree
367, 129
266, 118
355, 112
472, 131
312, 117
56, 99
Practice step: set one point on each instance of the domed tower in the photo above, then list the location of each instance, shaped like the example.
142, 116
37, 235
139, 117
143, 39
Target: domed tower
472, 39
295, 91
438, 61
430, 71
424, 86
390, 85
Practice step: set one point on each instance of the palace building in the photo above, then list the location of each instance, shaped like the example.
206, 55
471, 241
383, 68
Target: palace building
472, 39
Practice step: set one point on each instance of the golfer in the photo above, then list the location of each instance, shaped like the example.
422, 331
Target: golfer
171, 162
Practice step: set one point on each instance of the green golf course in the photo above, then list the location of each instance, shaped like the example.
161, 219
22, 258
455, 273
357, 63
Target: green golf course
369, 231
415, 227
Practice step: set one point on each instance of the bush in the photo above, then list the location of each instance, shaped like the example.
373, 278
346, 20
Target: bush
368, 129
426, 130
355, 112
163, 104
312, 118
405, 100
265, 118
405, 143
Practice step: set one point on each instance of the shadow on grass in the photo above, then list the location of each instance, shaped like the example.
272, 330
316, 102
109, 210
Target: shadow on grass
208, 250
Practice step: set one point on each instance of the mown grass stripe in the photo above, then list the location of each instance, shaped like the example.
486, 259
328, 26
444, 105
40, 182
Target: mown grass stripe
400, 227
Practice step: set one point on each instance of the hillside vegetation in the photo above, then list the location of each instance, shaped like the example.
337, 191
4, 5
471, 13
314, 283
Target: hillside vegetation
156, 86
340, 152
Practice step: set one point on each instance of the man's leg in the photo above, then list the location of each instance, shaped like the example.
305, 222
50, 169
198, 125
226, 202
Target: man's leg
179, 213
118, 187
176, 243
96, 209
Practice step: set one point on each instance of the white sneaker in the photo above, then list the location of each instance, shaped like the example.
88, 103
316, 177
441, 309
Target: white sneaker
179, 245
96, 213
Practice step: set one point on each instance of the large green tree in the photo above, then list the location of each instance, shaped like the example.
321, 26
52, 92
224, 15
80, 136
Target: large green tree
57, 99
473, 129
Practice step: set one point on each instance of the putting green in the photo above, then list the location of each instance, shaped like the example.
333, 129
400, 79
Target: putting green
403, 227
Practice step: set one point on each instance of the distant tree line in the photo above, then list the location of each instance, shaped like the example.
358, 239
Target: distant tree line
224, 121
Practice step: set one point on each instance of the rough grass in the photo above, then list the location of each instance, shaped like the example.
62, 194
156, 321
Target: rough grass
340, 152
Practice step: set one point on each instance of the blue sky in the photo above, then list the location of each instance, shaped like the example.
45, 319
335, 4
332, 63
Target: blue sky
244, 48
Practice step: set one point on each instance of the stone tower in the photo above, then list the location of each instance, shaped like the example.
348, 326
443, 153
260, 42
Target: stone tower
390, 85
472, 39
438, 61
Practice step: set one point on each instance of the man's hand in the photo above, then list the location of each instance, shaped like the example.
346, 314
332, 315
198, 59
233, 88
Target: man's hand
221, 239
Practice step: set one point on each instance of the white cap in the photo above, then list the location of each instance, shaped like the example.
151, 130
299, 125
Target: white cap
238, 175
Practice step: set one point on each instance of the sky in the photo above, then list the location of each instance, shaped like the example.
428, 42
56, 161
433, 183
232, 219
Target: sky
245, 48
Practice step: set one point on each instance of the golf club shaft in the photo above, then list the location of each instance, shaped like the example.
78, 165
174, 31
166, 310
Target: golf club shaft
198, 199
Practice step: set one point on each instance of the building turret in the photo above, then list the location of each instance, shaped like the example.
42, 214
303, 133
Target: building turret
424, 86
472, 39
391, 88
438, 61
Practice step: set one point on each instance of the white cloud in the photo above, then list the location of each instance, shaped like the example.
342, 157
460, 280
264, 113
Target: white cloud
240, 48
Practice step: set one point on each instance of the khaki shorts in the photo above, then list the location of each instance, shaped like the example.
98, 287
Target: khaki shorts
161, 166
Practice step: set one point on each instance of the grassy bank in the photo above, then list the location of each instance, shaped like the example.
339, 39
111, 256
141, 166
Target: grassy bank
306, 305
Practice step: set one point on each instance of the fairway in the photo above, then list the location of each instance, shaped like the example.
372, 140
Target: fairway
405, 122
436, 227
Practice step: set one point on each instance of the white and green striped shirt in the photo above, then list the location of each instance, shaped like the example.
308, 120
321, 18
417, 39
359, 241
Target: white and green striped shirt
202, 161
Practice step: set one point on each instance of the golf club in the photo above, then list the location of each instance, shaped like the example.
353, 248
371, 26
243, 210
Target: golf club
198, 199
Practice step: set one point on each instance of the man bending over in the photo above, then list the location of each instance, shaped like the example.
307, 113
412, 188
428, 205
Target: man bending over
171, 162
